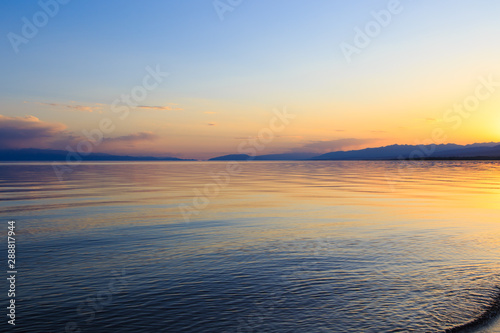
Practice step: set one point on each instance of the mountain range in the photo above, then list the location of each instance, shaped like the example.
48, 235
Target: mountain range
33, 154
443, 151
270, 157
489, 150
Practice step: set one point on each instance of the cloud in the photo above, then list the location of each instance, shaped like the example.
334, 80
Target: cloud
164, 108
99, 106
84, 108
211, 124
132, 138
30, 132
123, 144
321, 147
290, 136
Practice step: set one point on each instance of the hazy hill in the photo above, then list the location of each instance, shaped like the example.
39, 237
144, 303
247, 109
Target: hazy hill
269, 157
32, 154
414, 151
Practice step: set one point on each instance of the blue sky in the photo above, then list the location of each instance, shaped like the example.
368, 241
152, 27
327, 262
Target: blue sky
264, 54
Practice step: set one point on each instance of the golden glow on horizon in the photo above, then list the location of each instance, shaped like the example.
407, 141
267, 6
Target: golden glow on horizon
222, 89
192, 133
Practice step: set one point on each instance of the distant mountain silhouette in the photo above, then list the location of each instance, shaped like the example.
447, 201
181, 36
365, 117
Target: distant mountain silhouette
269, 157
471, 152
33, 154
489, 150
232, 157
416, 152
480, 151
285, 157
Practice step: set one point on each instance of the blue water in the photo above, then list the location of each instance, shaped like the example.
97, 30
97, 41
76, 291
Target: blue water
282, 247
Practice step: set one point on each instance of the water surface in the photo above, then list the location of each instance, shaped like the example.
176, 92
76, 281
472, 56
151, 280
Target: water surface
283, 247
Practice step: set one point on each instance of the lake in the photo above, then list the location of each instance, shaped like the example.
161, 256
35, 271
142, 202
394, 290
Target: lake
323, 246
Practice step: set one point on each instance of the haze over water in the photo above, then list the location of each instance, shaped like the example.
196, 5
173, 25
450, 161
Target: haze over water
284, 247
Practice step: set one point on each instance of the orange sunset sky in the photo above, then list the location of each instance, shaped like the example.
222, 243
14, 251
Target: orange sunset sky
423, 68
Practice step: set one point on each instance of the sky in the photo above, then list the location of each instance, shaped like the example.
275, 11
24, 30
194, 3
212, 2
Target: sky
201, 78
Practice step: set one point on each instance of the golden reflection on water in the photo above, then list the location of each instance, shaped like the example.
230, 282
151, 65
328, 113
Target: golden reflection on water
283, 199
427, 236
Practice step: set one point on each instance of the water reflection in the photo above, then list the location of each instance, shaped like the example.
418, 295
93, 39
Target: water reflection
285, 246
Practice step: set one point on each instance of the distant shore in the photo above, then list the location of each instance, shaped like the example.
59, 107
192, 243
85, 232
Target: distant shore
444, 152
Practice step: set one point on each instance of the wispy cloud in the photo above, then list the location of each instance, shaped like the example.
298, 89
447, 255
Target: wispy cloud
163, 108
141, 136
97, 107
123, 144
211, 124
298, 137
85, 108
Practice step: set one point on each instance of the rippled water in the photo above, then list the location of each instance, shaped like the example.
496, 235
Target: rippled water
283, 247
